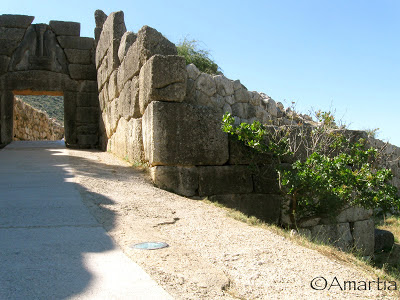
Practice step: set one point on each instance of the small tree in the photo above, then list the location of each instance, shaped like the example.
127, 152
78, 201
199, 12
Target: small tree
332, 167
190, 50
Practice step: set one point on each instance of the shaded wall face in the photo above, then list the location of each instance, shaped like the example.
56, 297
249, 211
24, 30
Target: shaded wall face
49, 59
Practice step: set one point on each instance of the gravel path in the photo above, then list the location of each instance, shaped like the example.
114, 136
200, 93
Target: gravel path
211, 256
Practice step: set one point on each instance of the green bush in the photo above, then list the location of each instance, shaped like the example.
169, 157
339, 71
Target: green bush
333, 171
190, 50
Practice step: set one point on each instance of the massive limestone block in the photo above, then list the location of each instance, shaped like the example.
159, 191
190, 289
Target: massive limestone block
110, 37
182, 134
11, 33
162, 78
180, 180
88, 115
216, 180
149, 42
75, 42
66, 28
82, 72
240, 154
87, 100
224, 85
266, 179
364, 236
77, 56
336, 234
16, 21
4, 62
135, 152
206, 84
126, 41
264, 207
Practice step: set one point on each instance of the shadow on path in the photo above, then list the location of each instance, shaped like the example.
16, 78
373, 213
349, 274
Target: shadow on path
51, 247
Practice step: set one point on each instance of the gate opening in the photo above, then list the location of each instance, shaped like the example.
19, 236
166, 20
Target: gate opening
38, 116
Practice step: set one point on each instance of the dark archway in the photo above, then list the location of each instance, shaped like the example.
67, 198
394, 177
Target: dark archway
53, 60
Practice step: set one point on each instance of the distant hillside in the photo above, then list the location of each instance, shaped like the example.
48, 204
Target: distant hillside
52, 105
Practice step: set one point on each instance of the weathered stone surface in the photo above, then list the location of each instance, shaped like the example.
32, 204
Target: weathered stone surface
271, 107
76, 56
13, 34
99, 17
266, 179
6, 116
75, 42
113, 91
7, 47
125, 100
70, 99
169, 129
66, 28
87, 140
255, 99
242, 95
216, 180
88, 100
226, 108
118, 142
364, 237
193, 72
206, 84
243, 110
88, 86
264, 207
135, 150
240, 154
224, 85
87, 115
180, 180
82, 72
354, 214
87, 129
338, 235
149, 42
4, 62
384, 240
110, 37
38, 80
162, 78
16, 21
49, 56
126, 41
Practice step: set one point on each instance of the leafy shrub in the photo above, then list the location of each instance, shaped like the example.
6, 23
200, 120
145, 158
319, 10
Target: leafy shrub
190, 50
331, 169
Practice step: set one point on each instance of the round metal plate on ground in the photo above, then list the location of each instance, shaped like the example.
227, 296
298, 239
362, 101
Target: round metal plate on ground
150, 245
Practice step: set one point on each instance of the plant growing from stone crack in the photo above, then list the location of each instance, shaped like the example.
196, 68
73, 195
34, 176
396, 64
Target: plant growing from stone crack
331, 168
190, 50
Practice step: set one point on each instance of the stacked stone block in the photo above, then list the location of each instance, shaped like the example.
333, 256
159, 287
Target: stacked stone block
155, 109
49, 59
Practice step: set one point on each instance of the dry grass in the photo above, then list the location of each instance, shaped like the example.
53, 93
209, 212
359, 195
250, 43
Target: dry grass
384, 271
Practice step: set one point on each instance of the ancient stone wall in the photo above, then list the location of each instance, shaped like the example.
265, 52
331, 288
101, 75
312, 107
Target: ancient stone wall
31, 124
49, 59
156, 109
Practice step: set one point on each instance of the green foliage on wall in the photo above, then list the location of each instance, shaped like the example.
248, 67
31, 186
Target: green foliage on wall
332, 168
192, 53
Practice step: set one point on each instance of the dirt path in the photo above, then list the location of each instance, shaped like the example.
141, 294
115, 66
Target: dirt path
211, 256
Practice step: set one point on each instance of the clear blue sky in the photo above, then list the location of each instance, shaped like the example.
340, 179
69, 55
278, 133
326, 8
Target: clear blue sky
342, 54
